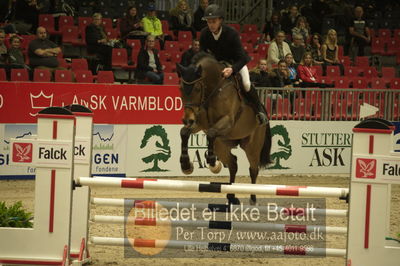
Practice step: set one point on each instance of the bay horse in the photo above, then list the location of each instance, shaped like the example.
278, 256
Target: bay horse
214, 104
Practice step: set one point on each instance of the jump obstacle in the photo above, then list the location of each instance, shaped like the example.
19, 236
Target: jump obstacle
55, 221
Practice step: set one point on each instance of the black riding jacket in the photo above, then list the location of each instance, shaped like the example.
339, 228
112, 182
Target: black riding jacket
228, 47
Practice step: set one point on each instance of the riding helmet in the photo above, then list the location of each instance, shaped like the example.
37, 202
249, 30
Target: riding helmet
213, 11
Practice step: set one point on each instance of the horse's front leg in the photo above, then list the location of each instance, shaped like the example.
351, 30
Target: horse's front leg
186, 164
221, 128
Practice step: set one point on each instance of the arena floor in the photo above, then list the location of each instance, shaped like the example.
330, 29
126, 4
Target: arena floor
12, 191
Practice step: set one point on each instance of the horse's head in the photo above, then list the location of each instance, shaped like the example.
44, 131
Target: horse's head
192, 92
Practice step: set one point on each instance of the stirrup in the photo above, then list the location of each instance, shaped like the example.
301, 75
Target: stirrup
262, 118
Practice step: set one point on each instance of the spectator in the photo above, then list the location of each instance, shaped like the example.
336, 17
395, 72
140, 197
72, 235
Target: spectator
152, 25
301, 28
292, 68
330, 51
278, 49
199, 23
131, 26
188, 54
315, 48
289, 21
271, 28
97, 41
3, 49
182, 18
26, 16
259, 75
308, 73
42, 52
297, 47
149, 65
280, 76
359, 32
16, 57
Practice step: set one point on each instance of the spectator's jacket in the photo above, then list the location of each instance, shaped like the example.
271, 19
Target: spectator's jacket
273, 53
260, 78
187, 57
93, 34
199, 23
152, 25
143, 63
227, 48
128, 24
37, 60
307, 73
181, 20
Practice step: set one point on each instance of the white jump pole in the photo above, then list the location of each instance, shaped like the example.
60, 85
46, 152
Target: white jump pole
227, 225
194, 186
48, 242
225, 247
151, 204
373, 172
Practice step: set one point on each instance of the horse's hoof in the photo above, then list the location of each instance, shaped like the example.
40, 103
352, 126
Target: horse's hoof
217, 168
233, 201
189, 170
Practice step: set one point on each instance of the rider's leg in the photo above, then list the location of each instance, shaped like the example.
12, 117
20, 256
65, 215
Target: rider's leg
252, 96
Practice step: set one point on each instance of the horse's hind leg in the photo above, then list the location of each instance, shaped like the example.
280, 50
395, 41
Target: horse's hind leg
223, 151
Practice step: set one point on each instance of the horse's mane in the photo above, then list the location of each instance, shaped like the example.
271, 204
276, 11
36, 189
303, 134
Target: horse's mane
200, 56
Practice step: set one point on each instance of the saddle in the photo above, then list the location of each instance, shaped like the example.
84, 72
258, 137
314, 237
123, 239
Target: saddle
237, 79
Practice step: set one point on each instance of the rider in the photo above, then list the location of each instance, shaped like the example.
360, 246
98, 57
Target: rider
224, 43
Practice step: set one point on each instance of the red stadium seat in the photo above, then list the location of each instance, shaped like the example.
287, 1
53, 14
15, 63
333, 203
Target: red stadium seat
384, 34
395, 84
164, 56
47, 21
112, 33
342, 82
168, 67
19, 74
63, 76
377, 46
332, 71
41, 75
105, 77
133, 44
362, 61
172, 46
184, 36
378, 83
302, 108
359, 83
388, 73
171, 79
345, 60
245, 38
83, 76
351, 71
70, 34
107, 23
250, 28
79, 64
248, 47
185, 45
370, 72
165, 26
392, 47
83, 22
65, 21
3, 76
236, 26
176, 57
262, 49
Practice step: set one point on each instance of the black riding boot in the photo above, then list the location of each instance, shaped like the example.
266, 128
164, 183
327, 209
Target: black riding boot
255, 103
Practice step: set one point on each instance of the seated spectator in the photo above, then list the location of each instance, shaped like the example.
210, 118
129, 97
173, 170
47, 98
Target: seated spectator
280, 76
198, 22
148, 63
188, 54
42, 52
3, 49
16, 57
259, 75
278, 49
297, 47
292, 68
152, 24
308, 73
359, 32
315, 48
271, 28
301, 28
97, 41
289, 20
131, 26
182, 18
330, 51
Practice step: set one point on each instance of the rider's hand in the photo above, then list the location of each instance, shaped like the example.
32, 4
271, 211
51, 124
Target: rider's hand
227, 72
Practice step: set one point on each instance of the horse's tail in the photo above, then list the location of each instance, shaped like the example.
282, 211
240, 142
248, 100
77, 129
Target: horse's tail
265, 157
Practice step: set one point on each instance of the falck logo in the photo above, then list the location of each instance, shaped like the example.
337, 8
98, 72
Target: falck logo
366, 168
22, 152
40, 101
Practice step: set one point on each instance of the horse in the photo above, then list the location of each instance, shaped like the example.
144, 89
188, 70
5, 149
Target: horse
214, 105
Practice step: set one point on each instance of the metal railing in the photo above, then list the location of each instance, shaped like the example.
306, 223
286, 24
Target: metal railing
328, 104
244, 11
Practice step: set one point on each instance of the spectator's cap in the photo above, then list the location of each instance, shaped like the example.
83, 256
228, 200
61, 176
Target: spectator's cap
151, 7
213, 11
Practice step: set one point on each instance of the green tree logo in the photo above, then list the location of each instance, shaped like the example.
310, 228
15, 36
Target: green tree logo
280, 146
156, 144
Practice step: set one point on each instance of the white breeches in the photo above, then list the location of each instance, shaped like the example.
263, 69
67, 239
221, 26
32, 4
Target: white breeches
244, 72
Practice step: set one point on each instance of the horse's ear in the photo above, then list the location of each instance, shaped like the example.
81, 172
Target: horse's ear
179, 69
199, 70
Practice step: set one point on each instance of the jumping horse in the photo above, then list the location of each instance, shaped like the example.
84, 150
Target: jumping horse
214, 104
